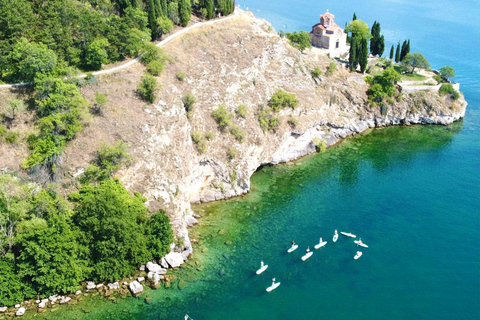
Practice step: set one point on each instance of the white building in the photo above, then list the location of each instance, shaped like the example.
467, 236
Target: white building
328, 35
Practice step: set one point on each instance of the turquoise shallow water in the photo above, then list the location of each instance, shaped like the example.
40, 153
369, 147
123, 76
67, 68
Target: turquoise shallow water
412, 194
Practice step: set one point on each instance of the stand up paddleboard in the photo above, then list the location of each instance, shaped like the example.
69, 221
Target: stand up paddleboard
292, 248
358, 255
308, 255
348, 234
273, 286
360, 244
321, 244
263, 268
335, 236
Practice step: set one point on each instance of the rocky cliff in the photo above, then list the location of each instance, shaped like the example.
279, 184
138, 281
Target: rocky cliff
242, 61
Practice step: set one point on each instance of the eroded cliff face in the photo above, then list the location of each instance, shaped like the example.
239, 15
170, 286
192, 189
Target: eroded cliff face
237, 62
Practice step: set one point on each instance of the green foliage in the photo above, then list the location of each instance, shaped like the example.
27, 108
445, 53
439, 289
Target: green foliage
447, 88
28, 59
180, 75
300, 40
165, 25
150, 52
13, 289
383, 109
185, 10
239, 134
210, 9
172, 12
382, 85
108, 160
155, 67
281, 99
242, 111
159, 234
267, 121
359, 29
231, 153
397, 53
3, 130
377, 42
415, 60
147, 88
199, 141
391, 52
11, 137
447, 72
405, 50
112, 224
320, 144
222, 117
50, 258
100, 99
135, 41
15, 106
188, 101
332, 67
96, 54
316, 72
209, 135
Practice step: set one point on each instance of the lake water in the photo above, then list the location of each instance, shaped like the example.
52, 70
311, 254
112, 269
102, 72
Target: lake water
412, 194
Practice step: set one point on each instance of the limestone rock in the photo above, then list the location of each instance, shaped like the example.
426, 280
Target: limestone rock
20, 311
142, 268
78, 292
174, 259
113, 286
42, 304
135, 288
90, 285
65, 300
141, 279
164, 263
155, 268
3, 309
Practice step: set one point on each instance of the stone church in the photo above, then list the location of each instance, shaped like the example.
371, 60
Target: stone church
328, 35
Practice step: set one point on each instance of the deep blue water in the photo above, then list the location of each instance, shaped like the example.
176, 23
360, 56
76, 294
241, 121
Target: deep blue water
412, 194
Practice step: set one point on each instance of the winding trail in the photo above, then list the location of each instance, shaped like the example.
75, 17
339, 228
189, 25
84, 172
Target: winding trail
137, 59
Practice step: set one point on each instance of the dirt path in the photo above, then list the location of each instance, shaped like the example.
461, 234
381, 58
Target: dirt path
137, 59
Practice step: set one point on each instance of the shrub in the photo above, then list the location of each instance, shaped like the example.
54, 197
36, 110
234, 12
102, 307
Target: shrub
282, 99
3, 130
222, 117
107, 161
238, 133
241, 111
316, 72
155, 67
399, 97
447, 88
181, 76
209, 135
231, 153
267, 121
150, 52
292, 122
199, 141
188, 101
11, 137
100, 101
390, 101
383, 109
331, 68
320, 144
300, 40
147, 88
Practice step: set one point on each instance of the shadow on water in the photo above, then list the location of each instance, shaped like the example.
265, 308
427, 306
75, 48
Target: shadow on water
232, 234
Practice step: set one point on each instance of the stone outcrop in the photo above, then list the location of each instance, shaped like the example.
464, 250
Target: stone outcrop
135, 288
20, 311
174, 259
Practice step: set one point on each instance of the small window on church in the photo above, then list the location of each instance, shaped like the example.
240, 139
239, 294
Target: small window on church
337, 45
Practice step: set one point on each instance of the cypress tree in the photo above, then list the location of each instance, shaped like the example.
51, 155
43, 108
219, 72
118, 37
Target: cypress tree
185, 11
158, 9
403, 51
164, 6
408, 46
391, 52
352, 59
363, 55
375, 32
210, 9
348, 34
397, 53
152, 19
354, 17
381, 46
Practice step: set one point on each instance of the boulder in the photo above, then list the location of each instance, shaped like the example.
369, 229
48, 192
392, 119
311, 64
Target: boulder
135, 288
78, 292
65, 300
141, 279
164, 263
155, 268
17, 305
42, 304
53, 298
20, 311
142, 268
174, 259
113, 286
90, 285
3, 309
98, 286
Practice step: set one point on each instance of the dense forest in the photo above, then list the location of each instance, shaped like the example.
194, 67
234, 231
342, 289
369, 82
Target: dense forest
59, 36
49, 244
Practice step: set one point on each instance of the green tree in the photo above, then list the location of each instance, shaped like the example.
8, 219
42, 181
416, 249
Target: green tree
173, 12
375, 33
96, 54
391, 52
108, 160
159, 234
13, 290
352, 58
50, 258
15, 106
281, 99
27, 60
415, 60
147, 88
185, 11
381, 46
152, 19
135, 41
210, 9
112, 223
165, 25
397, 53
447, 72
300, 40
405, 49
354, 16
363, 55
